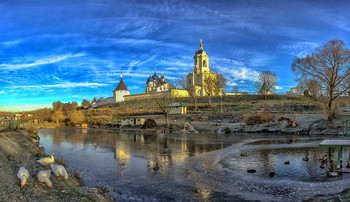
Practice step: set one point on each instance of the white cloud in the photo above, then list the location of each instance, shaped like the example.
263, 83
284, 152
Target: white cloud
234, 71
2, 92
11, 43
47, 60
64, 85
278, 87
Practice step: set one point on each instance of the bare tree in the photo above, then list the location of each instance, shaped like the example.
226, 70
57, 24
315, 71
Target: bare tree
58, 116
313, 86
209, 84
236, 90
85, 103
292, 91
330, 66
75, 105
266, 83
182, 83
163, 99
57, 105
76, 117
220, 88
43, 114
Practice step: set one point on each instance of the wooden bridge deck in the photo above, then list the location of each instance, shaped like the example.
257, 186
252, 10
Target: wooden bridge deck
339, 144
335, 143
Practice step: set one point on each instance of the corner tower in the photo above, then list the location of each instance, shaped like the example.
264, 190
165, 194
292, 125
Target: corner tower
120, 91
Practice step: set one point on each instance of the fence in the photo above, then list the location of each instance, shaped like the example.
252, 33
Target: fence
11, 124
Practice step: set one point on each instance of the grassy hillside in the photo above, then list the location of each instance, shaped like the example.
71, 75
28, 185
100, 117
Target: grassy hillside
231, 105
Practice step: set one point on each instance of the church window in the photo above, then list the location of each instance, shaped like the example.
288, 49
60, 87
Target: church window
204, 63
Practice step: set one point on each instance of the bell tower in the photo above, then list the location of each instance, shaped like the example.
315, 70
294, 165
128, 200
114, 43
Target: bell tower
201, 60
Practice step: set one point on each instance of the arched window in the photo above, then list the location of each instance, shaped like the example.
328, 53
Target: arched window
204, 63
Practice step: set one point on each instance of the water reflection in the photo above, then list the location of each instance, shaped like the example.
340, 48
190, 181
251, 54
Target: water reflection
160, 167
159, 151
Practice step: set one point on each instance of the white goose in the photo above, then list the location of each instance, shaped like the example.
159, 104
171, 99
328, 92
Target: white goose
44, 178
59, 171
47, 160
23, 175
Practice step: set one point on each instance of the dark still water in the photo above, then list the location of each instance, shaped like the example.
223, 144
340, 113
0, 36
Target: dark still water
182, 167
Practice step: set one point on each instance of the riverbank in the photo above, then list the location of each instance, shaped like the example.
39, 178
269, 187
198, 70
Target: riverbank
277, 123
20, 148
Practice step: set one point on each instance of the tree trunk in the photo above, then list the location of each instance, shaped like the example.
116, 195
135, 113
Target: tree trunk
166, 119
195, 104
265, 96
209, 100
330, 111
221, 104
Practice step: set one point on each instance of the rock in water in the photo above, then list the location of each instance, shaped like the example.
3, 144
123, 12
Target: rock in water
272, 174
188, 128
287, 162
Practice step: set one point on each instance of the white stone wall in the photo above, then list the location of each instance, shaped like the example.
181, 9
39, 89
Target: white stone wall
103, 102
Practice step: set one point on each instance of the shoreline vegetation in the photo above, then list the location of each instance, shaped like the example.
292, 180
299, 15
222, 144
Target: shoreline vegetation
21, 148
281, 114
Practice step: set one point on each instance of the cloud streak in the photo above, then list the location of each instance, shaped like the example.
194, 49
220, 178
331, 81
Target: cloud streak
63, 85
43, 61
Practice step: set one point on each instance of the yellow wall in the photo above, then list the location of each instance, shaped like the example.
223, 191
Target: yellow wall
179, 93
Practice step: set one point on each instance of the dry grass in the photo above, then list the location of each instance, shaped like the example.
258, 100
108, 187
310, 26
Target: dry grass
258, 117
59, 160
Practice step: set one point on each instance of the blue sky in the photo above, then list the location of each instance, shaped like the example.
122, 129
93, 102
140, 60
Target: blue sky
70, 50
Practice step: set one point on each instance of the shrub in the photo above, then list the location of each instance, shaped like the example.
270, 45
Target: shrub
149, 123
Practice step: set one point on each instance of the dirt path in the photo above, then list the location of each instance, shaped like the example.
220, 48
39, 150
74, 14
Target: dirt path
17, 149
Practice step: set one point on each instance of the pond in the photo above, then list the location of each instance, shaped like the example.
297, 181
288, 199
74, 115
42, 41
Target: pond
159, 167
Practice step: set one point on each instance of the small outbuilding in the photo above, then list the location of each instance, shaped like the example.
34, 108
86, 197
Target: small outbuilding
132, 121
177, 108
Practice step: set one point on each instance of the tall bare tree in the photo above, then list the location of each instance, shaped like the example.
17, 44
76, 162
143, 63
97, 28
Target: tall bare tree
85, 103
266, 83
312, 85
182, 83
220, 88
58, 116
330, 66
57, 105
209, 85
236, 90
163, 99
76, 117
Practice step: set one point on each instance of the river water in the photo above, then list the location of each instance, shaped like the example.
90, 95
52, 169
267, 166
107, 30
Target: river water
197, 167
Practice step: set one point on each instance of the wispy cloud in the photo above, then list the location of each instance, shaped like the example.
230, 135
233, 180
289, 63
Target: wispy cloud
234, 71
2, 92
43, 61
63, 85
11, 43
299, 49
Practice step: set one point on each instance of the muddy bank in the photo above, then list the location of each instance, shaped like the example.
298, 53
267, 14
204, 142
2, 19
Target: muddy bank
17, 149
